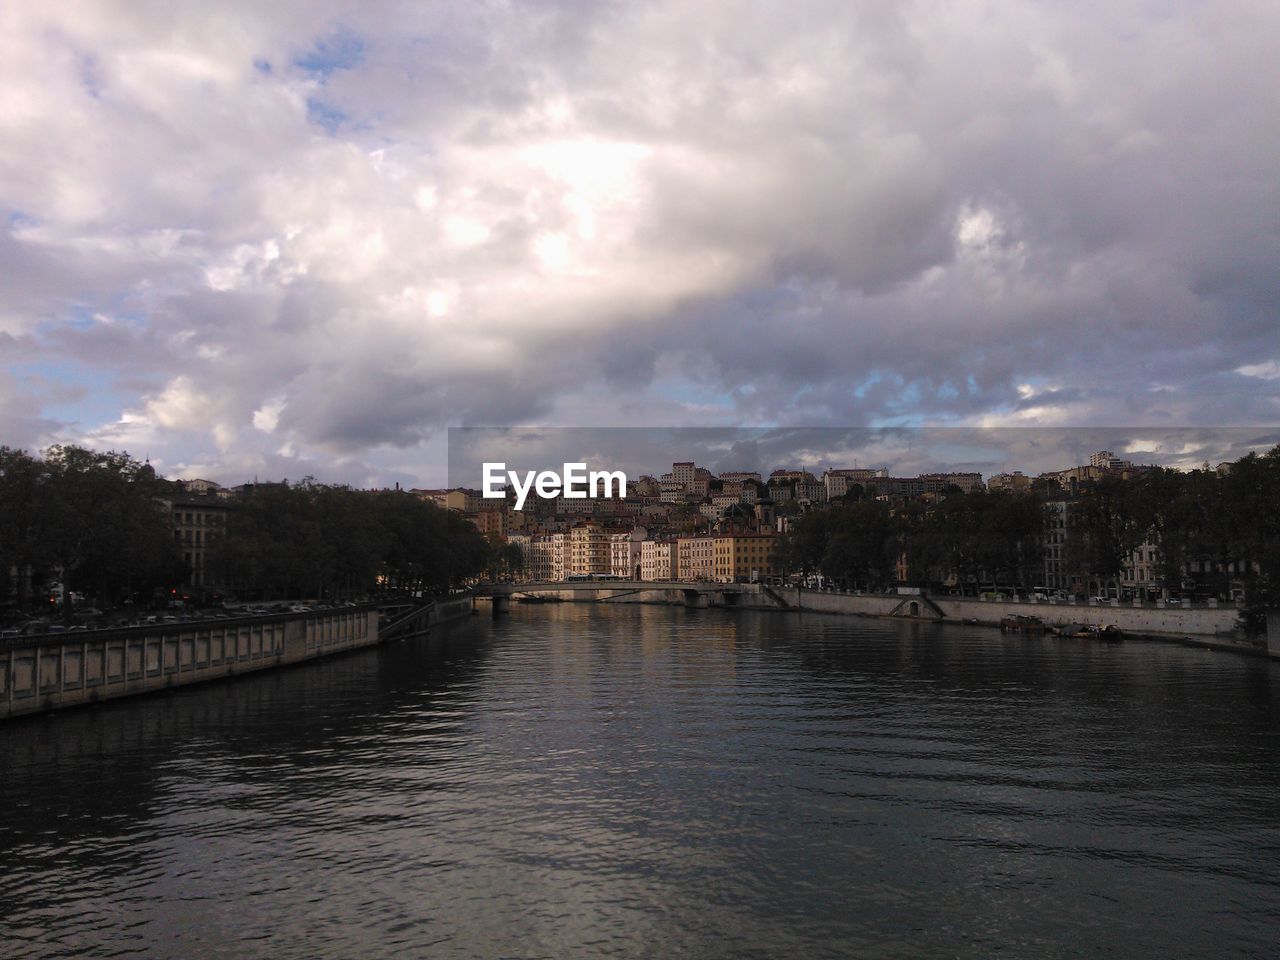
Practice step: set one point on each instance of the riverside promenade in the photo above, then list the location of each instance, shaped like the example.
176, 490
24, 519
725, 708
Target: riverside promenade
49, 671
1209, 626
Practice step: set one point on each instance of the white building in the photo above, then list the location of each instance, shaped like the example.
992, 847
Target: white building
624, 553
696, 558
657, 560
838, 481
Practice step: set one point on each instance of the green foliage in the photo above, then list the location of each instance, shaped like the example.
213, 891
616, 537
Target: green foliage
978, 536
313, 540
854, 544
91, 519
1213, 531
505, 560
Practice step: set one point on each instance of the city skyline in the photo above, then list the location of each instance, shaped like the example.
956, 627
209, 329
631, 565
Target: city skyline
308, 240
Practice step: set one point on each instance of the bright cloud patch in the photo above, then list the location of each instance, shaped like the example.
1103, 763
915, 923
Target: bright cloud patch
1263, 371
323, 233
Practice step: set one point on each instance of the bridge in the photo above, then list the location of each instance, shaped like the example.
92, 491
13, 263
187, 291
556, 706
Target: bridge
704, 593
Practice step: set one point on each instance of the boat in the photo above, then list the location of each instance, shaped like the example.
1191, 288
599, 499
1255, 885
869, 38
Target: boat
1111, 634
1022, 624
1088, 631
536, 598
1081, 630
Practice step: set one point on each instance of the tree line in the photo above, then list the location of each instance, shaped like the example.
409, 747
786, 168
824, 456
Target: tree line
310, 539
1210, 529
99, 524
83, 521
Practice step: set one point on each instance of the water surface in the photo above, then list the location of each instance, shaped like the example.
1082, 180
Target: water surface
582, 781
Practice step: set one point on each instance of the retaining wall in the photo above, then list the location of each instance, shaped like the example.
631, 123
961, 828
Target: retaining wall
1172, 621
47, 672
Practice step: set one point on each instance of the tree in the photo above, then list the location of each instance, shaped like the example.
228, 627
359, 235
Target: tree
1108, 521
93, 521
854, 544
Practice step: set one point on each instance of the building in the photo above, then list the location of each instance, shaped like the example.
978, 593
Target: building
1140, 576
523, 541
198, 520
624, 553
584, 506
1016, 482
780, 490
810, 492
673, 491
938, 482
683, 472
460, 499
588, 548
647, 486
204, 486
494, 524
1057, 575
838, 481
744, 557
545, 556
1106, 460
724, 500
657, 560
696, 558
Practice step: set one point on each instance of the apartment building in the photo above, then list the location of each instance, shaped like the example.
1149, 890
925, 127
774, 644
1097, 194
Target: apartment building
588, 550
839, 481
1140, 576
657, 560
696, 558
460, 499
744, 557
1016, 482
624, 553
683, 472
197, 521
1056, 572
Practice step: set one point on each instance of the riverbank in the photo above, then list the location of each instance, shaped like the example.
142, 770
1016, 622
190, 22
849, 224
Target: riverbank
1206, 627
52, 671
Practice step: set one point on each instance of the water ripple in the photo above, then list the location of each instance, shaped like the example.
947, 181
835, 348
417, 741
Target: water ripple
638, 781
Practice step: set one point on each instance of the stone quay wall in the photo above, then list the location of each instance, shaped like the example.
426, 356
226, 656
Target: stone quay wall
48, 672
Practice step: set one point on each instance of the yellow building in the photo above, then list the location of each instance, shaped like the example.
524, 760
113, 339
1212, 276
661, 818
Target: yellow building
588, 550
744, 557
492, 523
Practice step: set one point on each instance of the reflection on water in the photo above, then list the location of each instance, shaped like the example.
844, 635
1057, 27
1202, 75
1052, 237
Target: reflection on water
580, 781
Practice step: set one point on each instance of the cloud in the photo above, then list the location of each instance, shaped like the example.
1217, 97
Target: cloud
336, 229
1270, 370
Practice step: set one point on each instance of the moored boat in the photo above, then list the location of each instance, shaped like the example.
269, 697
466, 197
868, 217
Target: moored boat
1022, 624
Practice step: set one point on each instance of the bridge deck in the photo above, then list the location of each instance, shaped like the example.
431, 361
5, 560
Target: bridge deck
583, 586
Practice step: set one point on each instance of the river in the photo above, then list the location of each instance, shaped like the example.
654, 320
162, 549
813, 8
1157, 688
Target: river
608, 781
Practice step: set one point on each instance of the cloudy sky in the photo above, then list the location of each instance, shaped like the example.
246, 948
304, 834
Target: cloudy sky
278, 239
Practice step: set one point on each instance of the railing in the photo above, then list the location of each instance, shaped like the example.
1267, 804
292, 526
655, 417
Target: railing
26, 641
1088, 602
